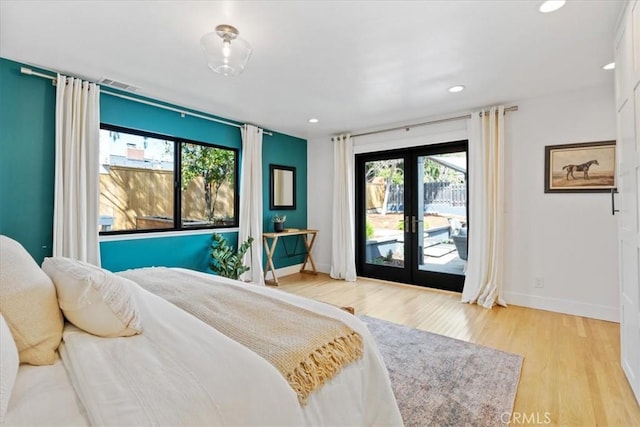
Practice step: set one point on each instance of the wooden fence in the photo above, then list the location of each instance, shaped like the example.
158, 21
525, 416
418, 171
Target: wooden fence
446, 193
143, 198
434, 193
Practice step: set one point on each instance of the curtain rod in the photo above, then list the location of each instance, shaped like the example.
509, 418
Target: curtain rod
30, 72
431, 122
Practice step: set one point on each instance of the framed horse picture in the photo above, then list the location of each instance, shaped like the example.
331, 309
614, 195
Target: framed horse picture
577, 168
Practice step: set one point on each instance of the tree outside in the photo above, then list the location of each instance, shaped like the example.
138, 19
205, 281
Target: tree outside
214, 165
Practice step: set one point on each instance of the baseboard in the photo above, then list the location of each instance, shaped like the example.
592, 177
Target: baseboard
558, 305
285, 271
323, 268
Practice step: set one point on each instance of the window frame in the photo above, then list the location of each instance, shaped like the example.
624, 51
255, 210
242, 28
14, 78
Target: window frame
177, 182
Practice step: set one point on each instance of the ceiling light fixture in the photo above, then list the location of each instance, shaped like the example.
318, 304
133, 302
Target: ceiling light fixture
226, 53
313, 120
609, 66
551, 5
455, 89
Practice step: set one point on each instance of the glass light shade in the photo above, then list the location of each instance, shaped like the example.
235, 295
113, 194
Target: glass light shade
229, 60
551, 5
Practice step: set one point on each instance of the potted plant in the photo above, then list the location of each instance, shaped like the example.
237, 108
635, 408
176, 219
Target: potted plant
225, 260
278, 222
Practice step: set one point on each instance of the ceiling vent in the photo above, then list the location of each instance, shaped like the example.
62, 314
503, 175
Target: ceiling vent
118, 85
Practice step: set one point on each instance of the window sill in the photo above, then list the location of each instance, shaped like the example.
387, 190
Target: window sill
154, 235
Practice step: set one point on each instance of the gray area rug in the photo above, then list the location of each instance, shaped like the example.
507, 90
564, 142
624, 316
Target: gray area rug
441, 381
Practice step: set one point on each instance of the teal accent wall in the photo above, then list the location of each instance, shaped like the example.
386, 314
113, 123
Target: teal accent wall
27, 139
286, 151
134, 115
27, 144
187, 251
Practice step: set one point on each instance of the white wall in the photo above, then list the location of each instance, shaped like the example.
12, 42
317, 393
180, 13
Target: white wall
567, 240
319, 198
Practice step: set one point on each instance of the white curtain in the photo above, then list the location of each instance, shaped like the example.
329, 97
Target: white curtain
251, 202
343, 260
75, 217
484, 274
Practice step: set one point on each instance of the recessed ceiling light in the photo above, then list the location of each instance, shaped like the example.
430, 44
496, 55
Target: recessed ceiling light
313, 120
551, 5
455, 89
609, 66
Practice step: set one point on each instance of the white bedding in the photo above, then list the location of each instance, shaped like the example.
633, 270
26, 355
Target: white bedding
180, 371
44, 396
361, 394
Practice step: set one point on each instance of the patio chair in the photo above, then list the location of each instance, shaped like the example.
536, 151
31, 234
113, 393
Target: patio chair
460, 240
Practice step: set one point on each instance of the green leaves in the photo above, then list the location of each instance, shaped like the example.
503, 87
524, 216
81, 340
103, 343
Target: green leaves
226, 261
369, 230
391, 170
215, 165
279, 218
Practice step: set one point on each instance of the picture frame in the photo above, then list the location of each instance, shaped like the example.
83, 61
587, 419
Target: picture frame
282, 183
588, 167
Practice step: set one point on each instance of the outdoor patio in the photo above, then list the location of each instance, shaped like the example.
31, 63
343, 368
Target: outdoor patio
440, 254
443, 258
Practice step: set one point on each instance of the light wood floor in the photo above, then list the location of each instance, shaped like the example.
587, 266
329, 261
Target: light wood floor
571, 367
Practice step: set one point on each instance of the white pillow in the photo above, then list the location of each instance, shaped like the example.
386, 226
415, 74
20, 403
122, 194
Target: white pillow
94, 299
9, 364
29, 305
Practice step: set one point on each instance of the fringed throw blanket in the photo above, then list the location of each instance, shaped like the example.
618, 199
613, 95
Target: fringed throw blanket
307, 348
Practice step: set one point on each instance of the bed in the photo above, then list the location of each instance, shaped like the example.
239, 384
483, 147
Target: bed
165, 366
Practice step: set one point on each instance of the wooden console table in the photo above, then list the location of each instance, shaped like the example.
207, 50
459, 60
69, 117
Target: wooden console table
271, 248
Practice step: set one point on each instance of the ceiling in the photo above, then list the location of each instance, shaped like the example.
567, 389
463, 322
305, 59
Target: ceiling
353, 65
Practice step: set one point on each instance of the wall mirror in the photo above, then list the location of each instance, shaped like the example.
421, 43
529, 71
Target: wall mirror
283, 187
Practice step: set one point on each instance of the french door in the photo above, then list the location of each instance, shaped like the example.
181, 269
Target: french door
411, 215
628, 183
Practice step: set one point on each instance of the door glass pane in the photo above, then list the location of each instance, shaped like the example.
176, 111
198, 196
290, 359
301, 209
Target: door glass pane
384, 201
442, 207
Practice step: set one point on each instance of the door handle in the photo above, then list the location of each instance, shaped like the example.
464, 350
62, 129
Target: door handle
414, 221
613, 202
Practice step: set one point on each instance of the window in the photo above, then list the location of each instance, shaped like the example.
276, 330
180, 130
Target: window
155, 182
